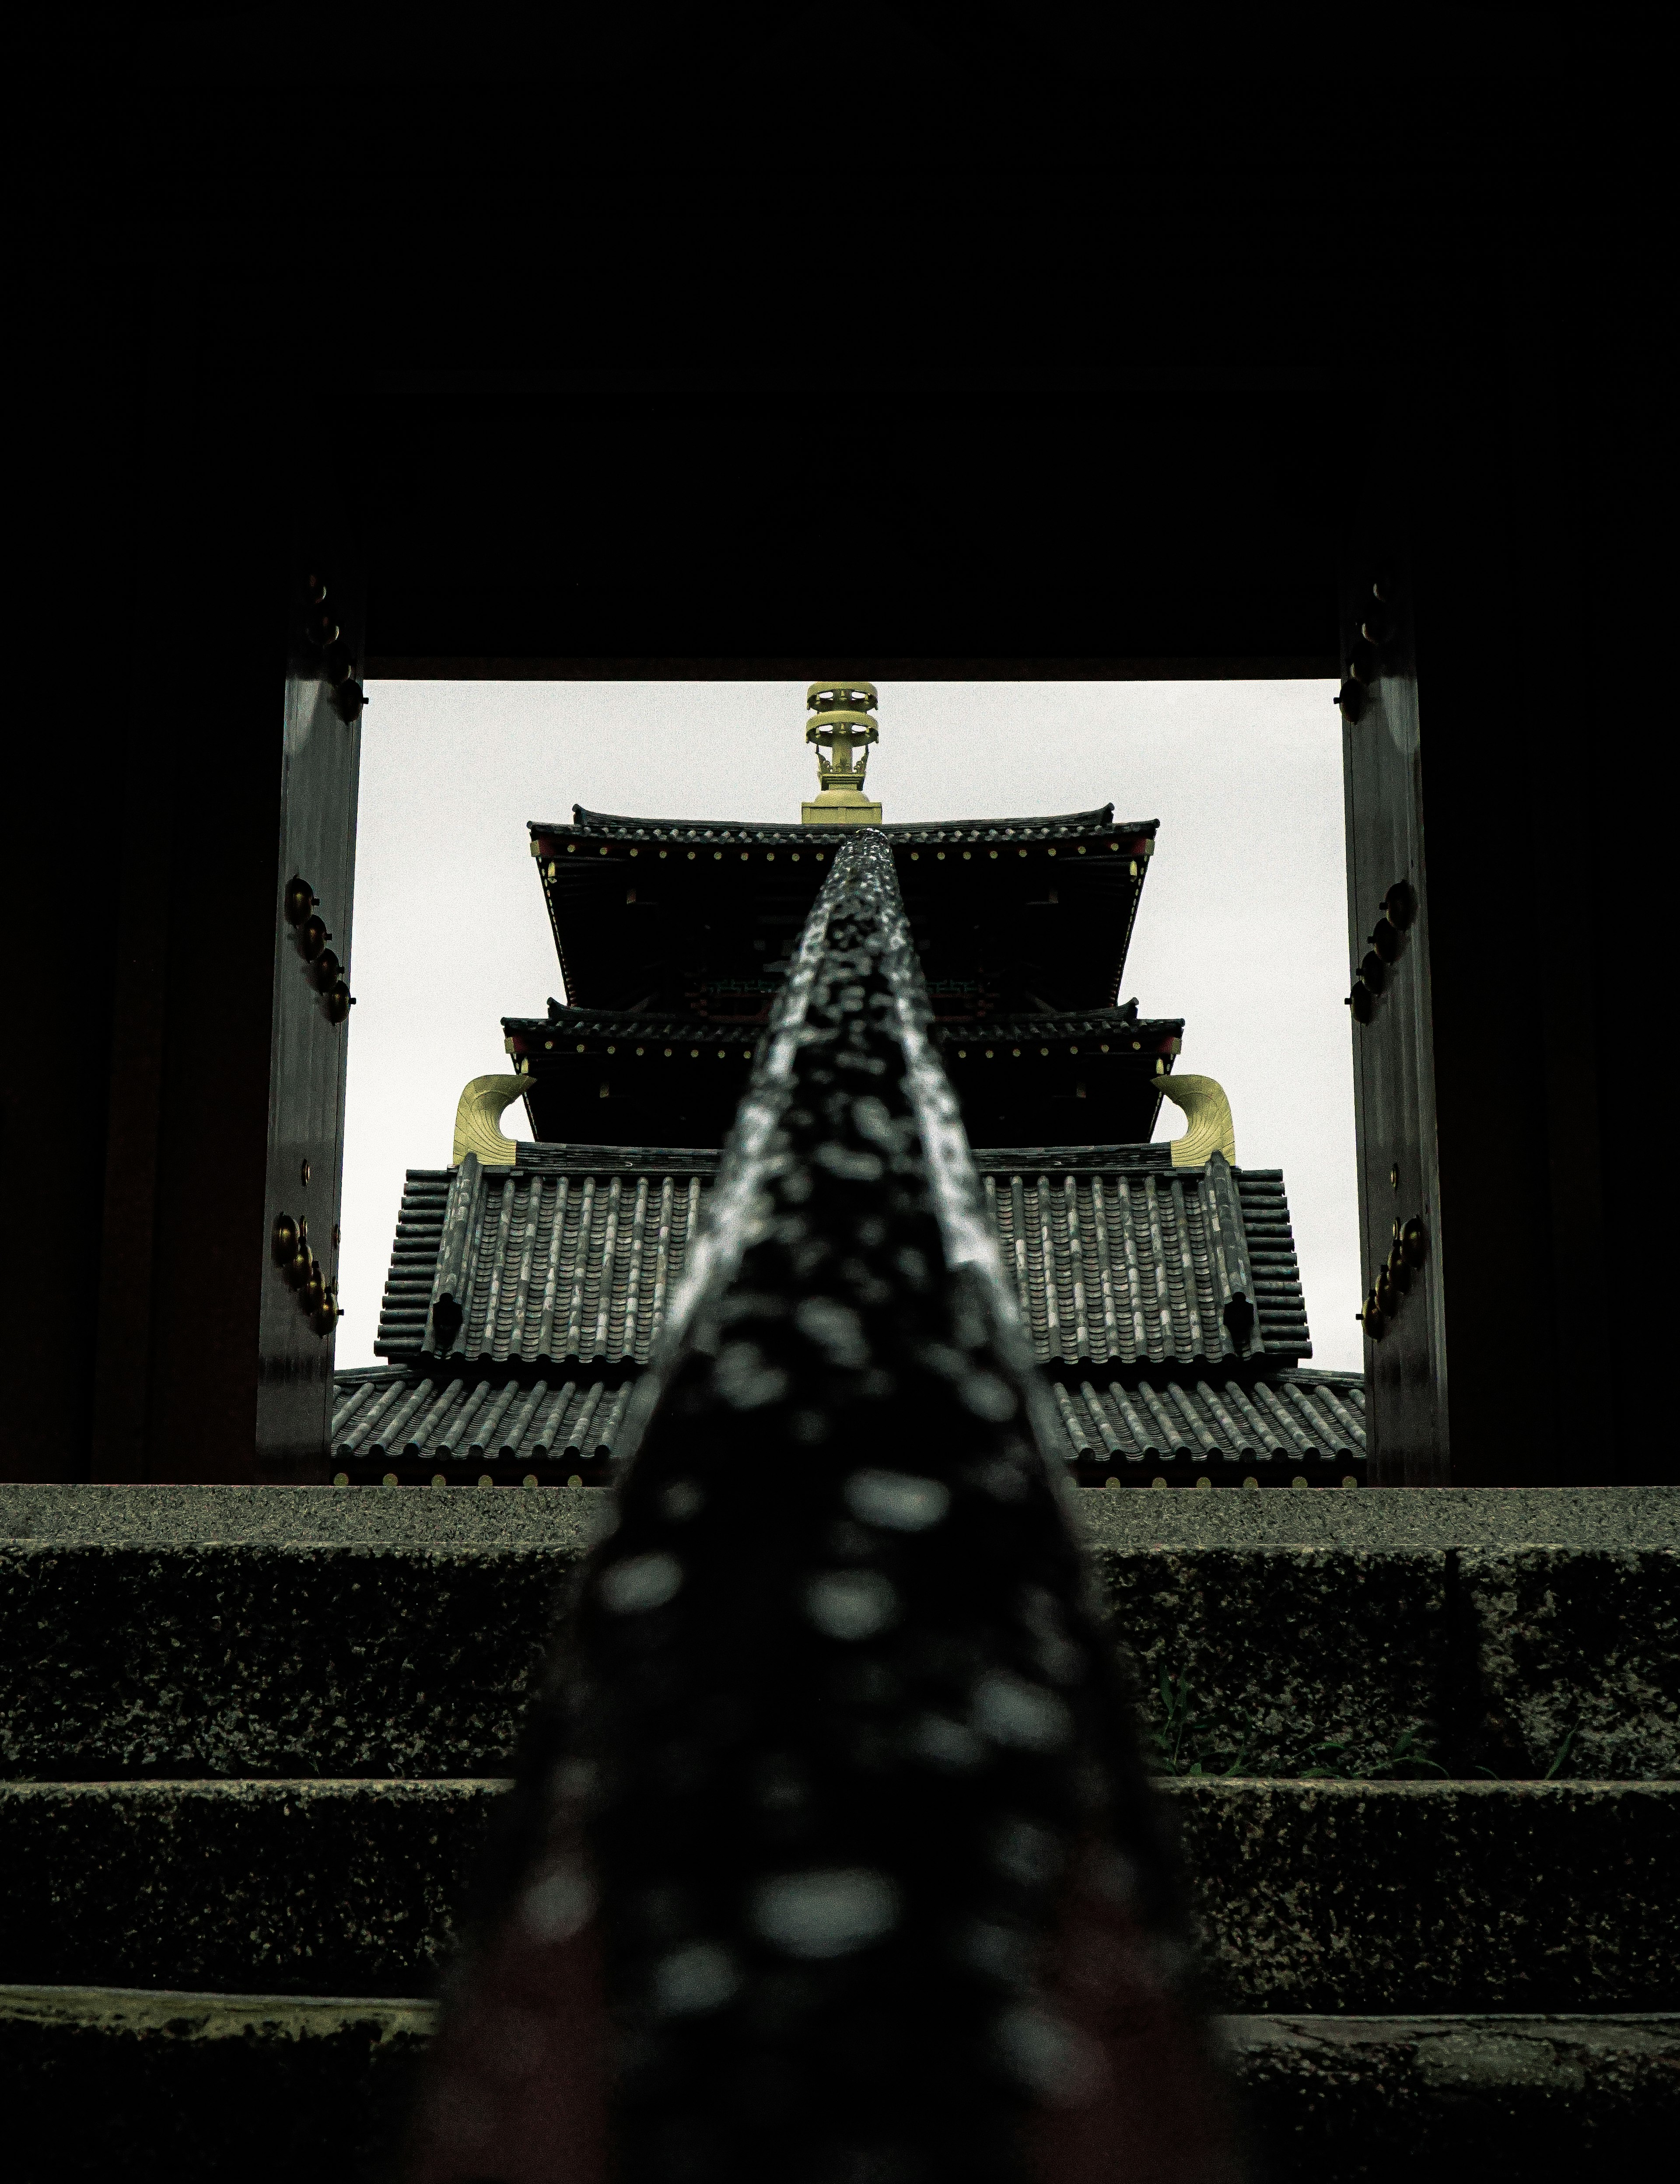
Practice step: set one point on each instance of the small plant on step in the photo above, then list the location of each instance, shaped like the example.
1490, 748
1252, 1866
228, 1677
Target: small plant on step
1561, 1753
1178, 1725
1406, 1756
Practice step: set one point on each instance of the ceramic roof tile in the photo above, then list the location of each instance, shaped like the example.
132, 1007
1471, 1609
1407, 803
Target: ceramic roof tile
526, 1265
441, 1415
1281, 1420
1125, 1261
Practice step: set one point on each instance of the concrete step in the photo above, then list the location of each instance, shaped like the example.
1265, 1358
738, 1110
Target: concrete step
1510, 1661
396, 1632
1426, 1895
302, 1887
159, 2088
1324, 1897
267, 1661
341, 1674
1372, 2100
188, 2086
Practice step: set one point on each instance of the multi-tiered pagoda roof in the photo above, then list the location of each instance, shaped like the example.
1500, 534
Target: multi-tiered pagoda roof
673, 938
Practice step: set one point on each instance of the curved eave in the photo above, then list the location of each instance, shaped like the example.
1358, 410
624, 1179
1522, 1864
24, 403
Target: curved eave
1066, 826
1122, 1031
593, 1030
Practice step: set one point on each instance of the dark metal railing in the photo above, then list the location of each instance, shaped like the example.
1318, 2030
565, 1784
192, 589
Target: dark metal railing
831, 1789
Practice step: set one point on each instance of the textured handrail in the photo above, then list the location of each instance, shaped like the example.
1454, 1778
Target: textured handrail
832, 1784
862, 889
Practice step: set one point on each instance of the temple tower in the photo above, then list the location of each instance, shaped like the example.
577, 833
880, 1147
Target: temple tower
1156, 1283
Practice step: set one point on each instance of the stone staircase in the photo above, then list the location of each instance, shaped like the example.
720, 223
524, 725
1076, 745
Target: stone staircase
1424, 1750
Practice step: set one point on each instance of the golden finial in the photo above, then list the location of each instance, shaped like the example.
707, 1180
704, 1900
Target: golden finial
840, 718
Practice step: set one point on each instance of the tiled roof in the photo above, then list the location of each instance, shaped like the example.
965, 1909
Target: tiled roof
389, 1412
385, 1416
521, 1264
671, 911
1141, 1267
1285, 1417
1121, 1259
1058, 826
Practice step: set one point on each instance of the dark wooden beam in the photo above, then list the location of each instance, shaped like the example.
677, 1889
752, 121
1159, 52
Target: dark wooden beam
985, 667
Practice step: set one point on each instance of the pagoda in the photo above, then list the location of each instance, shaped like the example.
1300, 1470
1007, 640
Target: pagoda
1157, 1282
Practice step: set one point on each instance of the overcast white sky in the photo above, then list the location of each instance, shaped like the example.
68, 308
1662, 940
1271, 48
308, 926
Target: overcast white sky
1242, 928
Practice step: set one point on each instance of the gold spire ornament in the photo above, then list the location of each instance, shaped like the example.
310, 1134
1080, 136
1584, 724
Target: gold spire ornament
840, 718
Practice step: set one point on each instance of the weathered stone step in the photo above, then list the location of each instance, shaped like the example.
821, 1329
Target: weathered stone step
1341, 1896
278, 1660
292, 1887
267, 1661
257, 1658
1613, 1516
1514, 1661
146, 2085
1381, 2100
159, 2088
1419, 1896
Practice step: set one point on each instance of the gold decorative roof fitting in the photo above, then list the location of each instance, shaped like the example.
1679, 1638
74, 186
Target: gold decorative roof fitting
477, 1116
840, 719
1208, 1112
